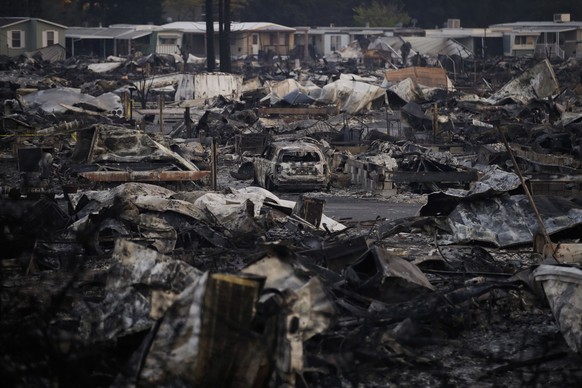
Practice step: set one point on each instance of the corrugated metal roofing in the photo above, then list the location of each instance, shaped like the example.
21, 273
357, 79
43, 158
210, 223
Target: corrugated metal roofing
51, 53
200, 27
544, 25
96, 32
429, 45
190, 27
437, 46
260, 26
539, 30
135, 34
105, 33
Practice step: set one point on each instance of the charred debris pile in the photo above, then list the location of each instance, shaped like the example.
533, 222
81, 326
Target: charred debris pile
138, 252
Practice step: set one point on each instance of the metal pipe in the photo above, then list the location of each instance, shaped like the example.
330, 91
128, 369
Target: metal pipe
543, 230
162, 101
214, 162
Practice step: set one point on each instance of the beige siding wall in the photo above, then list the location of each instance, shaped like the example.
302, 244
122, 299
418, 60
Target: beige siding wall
40, 34
33, 35
6, 39
168, 43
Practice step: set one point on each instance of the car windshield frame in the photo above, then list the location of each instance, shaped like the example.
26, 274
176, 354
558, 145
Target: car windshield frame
295, 156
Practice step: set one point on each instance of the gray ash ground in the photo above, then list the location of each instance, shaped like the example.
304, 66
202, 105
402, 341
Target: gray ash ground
505, 338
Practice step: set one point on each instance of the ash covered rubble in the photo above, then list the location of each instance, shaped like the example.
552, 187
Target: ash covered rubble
124, 266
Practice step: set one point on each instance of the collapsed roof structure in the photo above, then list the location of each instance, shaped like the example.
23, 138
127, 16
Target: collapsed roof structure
139, 252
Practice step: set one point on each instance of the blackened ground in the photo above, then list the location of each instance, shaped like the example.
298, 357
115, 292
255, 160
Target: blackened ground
505, 338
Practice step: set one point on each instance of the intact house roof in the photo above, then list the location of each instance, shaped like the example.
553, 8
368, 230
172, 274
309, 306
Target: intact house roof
106, 33
539, 30
11, 21
537, 27
464, 32
200, 27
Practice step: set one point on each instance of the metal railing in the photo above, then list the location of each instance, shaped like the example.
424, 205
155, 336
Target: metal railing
551, 50
167, 49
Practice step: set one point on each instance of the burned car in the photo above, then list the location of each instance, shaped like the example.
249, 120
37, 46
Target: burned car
299, 165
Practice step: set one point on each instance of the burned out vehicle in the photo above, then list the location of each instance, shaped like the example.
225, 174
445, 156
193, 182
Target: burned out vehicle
299, 165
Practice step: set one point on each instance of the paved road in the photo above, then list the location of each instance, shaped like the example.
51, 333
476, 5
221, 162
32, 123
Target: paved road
337, 206
362, 209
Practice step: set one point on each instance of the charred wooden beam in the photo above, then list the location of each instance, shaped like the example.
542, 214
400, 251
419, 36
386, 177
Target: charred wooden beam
310, 209
434, 176
311, 110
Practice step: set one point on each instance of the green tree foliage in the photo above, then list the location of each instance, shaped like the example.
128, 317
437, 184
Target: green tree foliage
90, 12
381, 14
24, 8
190, 10
431, 13
193, 10
131, 12
427, 13
301, 12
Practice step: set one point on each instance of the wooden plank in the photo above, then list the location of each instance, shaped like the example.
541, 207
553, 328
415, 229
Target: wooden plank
186, 163
435, 77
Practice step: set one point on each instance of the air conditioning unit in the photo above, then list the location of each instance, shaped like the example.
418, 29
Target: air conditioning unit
453, 23
561, 17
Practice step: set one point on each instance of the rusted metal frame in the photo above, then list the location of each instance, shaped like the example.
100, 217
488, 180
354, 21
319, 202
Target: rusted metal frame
143, 176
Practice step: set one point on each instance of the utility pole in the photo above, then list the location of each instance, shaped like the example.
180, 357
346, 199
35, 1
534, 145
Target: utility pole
227, 60
209, 37
224, 35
